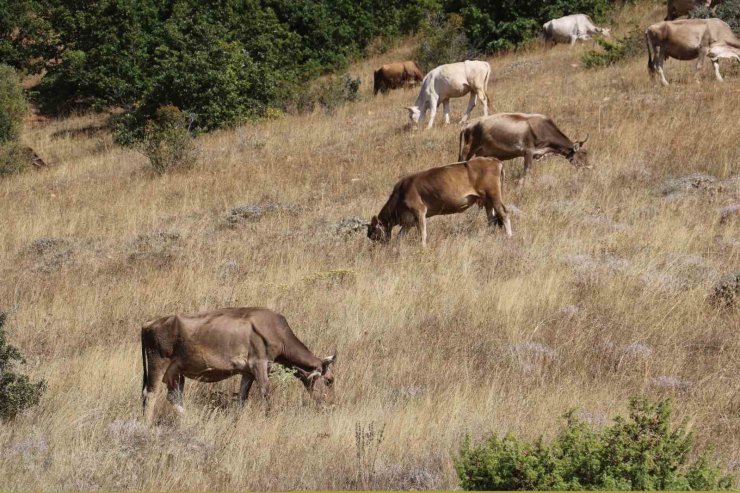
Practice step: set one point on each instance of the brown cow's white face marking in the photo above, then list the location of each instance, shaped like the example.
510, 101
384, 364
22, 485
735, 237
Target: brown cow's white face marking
377, 231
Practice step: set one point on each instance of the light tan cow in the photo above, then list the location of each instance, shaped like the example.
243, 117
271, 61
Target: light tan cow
690, 39
678, 8
453, 80
212, 346
511, 135
395, 75
446, 189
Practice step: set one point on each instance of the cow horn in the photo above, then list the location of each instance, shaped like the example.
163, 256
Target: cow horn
585, 140
330, 359
313, 375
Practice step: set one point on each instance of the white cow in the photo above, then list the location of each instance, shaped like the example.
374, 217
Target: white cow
453, 80
571, 28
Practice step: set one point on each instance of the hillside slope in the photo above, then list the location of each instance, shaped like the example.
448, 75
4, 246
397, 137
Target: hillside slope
599, 296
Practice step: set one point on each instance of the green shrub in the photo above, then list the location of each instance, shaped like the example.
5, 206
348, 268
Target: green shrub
642, 452
495, 25
12, 105
167, 140
16, 390
13, 158
442, 39
329, 93
727, 10
611, 52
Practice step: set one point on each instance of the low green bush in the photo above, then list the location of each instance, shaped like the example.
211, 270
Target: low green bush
642, 452
442, 39
12, 105
167, 140
329, 94
611, 52
17, 392
727, 10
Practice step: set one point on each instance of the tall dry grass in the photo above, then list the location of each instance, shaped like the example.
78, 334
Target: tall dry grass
599, 296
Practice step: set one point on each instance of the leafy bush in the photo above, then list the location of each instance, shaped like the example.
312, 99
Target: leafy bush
442, 39
329, 93
167, 140
12, 105
495, 25
643, 452
13, 158
614, 51
16, 390
727, 10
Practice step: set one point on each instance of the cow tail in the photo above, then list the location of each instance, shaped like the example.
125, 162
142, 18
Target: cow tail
485, 89
651, 66
460, 146
145, 364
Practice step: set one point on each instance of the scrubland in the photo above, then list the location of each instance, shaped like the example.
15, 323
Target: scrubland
599, 296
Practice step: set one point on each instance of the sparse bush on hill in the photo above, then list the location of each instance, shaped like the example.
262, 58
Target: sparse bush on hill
17, 392
167, 140
614, 51
12, 109
643, 452
727, 10
12, 105
442, 40
329, 93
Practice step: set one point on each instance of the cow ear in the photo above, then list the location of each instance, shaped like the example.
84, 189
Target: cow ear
327, 362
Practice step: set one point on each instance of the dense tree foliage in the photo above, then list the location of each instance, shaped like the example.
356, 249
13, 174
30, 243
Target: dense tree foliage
225, 61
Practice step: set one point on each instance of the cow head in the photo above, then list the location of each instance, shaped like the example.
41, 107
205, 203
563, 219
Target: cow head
320, 382
578, 157
377, 231
604, 31
414, 113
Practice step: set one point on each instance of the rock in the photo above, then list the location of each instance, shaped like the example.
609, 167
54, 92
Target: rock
671, 383
254, 212
686, 184
350, 226
726, 292
726, 214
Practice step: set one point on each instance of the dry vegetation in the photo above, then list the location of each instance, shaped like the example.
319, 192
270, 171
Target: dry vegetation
600, 295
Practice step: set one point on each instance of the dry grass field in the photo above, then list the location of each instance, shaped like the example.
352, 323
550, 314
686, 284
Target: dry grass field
599, 296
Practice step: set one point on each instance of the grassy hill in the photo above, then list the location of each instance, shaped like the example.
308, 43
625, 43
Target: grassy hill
599, 296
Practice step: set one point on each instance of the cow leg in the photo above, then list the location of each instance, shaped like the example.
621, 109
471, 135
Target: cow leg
659, 59
175, 382
573, 39
715, 64
261, 373
528, 158
421, 225
446, 104
502, 216
433, 103
156, 367
484, 100
247, 381
471, 105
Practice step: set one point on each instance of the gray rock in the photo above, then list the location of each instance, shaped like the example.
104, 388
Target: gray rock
350, 226
726, 292
726, 214
254, 212
686, 184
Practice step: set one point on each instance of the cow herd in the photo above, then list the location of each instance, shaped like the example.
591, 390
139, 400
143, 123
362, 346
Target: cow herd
216, 345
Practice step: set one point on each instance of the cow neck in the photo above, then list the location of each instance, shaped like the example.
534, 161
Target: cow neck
297, 354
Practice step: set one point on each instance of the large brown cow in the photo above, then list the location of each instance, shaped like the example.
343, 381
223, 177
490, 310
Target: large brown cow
689, 39
511, 135
395, 75
212, 346
443, 190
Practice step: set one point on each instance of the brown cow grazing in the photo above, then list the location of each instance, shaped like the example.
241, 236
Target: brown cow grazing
689, 39
443, 190
212, 346
395, 75
511, 135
